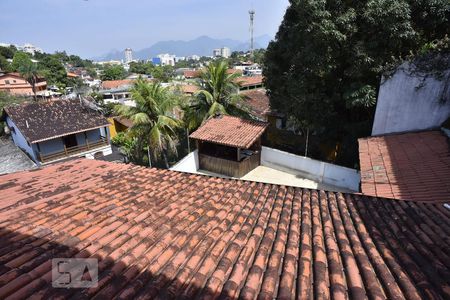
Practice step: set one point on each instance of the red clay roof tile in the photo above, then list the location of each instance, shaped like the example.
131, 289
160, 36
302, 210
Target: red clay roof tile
409, 166
230, 131
163, 234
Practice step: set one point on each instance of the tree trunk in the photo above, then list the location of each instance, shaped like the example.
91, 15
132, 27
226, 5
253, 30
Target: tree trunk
33, 86
166, 162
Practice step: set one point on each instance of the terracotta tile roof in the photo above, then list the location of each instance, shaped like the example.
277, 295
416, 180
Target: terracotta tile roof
44, 120
257, 101
191, 73
234, 71
71, 74
113, 84
245, 81
409, 166
163, 234
189, 89
230, 131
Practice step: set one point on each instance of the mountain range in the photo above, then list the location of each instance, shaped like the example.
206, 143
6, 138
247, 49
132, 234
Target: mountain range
202, 46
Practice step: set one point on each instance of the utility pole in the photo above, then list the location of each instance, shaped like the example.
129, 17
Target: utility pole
252, 17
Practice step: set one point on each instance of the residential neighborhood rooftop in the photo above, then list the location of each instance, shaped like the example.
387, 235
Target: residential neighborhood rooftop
44, 120
246, 81
257, 101
166, 234
230, 131
113, 84
408, 166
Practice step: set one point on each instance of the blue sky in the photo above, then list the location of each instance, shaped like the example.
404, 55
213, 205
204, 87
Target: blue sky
94, 27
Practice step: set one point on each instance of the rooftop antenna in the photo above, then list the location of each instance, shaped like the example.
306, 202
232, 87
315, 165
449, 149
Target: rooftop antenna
251, 12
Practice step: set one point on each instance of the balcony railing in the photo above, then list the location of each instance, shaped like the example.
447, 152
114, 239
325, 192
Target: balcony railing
69, 151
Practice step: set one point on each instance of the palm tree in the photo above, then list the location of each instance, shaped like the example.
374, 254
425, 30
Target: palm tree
31, 73
217, 95
153, 121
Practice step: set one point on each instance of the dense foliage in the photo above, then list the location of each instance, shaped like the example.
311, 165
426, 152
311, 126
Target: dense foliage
113, 72
49, 66
324, 67
154, 123
217, 95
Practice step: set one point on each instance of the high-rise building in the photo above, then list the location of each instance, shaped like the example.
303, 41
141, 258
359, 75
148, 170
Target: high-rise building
128, 55
225, 52
222, 52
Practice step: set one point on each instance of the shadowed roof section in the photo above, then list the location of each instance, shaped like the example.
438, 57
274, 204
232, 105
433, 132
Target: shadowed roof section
409, 166
44, 120
164, 234
230, 131
257, 101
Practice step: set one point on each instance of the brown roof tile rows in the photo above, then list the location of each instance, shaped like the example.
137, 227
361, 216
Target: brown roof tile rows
230, 131
113, 84
245, 81
43, 120
258, 102
410, 166
163, 234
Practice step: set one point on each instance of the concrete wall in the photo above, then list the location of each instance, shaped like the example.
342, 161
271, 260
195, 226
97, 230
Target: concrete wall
407, 103
318, 171
188, 164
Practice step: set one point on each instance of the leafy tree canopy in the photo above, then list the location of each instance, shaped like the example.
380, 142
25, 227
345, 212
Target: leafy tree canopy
113, 72
325, 65
141, 67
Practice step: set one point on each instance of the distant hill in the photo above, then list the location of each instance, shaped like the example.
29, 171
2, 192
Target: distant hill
202, 46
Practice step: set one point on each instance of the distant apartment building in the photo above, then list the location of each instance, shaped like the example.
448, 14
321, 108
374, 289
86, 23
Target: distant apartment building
128, 55
222, 52
164, 60
193, 57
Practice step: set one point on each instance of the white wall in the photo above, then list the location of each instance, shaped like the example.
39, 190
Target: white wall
319, 171
407, 103
188, 164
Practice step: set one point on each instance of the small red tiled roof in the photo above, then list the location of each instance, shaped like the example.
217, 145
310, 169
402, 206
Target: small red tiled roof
230, 131
192, 73
112, 84
245, 81
257, 101
71, 74
163, 234
189, 88
409, 166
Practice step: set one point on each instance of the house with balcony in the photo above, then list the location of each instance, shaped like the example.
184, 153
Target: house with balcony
53, 130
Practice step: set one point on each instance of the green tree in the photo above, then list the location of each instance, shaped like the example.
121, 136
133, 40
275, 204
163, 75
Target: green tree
8, 52
113, 72
30, 72
53, 70
163, 73
141, 67
4, 64
217, 95
324, 67
20, 60
153, 122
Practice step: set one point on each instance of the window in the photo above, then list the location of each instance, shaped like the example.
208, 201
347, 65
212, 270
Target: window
6, 81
